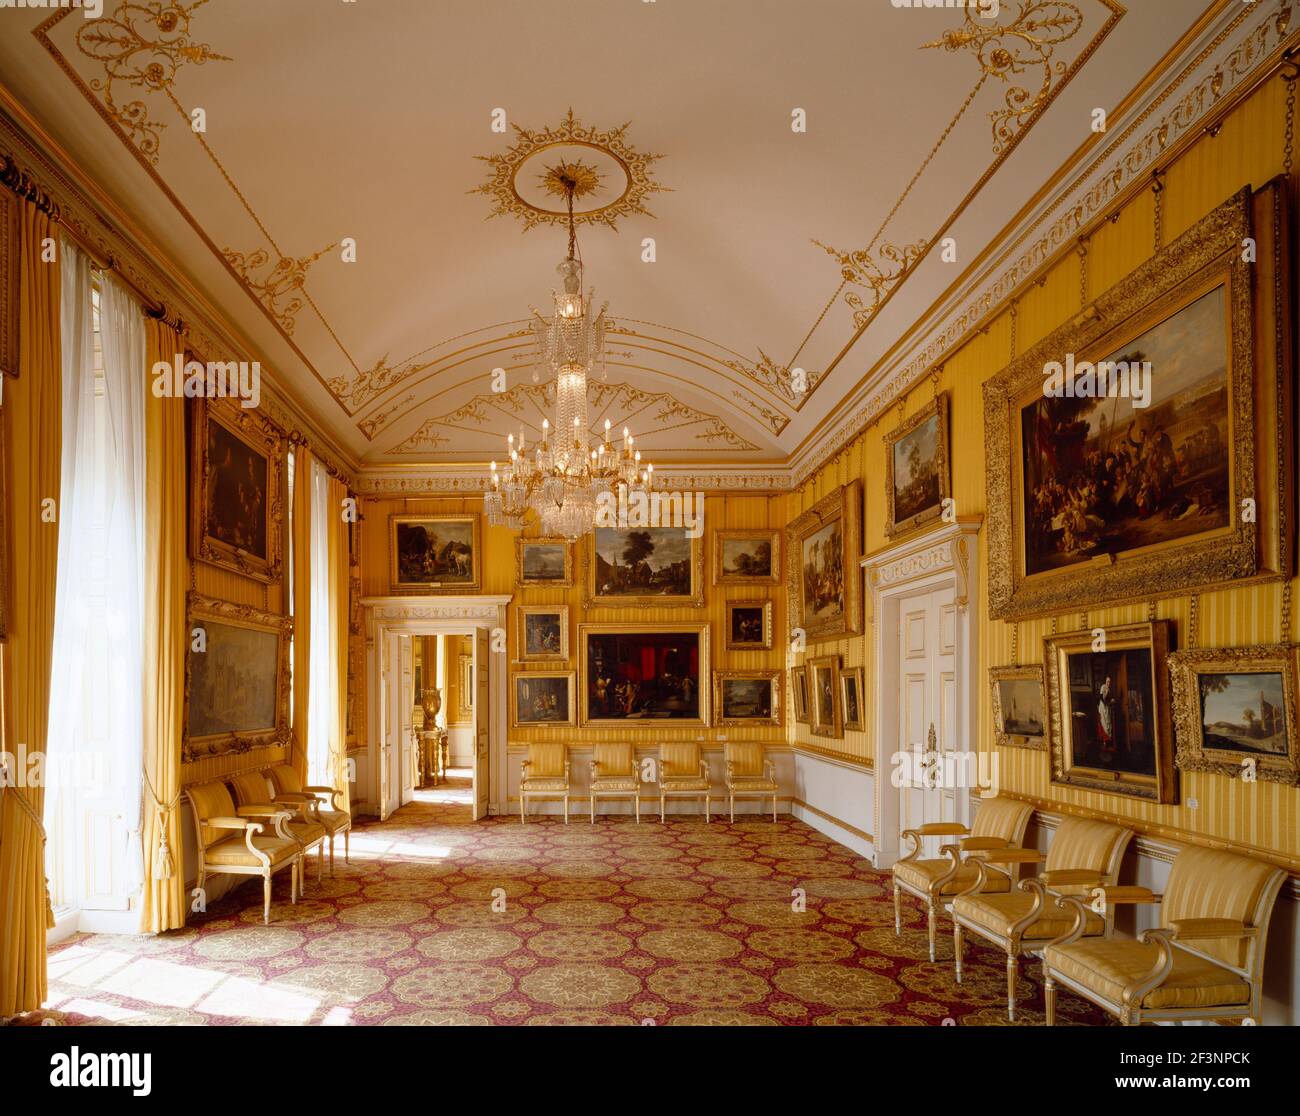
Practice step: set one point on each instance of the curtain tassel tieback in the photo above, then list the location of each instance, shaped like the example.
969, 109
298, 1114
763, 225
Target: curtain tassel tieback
164, 867
35, 818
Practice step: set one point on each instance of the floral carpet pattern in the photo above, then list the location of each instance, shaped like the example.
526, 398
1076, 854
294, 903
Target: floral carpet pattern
439, 920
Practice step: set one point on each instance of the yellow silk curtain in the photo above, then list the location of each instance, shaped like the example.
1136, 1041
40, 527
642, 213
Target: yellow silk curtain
338, 623
302, 463
165, 583
32, 416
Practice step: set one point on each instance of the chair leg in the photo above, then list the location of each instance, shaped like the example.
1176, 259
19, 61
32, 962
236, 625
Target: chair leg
731, 798
774, 809
266, 897
932, 927
662, 815
706, 810
566, 809
592, 811
898, 911
1011, 987
636, 805
347, 844
957, 945
523, 820
332, 855
1049, 1000
320, 866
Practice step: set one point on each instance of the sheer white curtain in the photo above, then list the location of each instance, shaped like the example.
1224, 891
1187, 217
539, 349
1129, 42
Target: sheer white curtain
320, 715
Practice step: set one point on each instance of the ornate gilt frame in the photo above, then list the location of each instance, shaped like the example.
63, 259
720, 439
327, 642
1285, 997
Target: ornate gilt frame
1030, 673
1157, 636
943, 461
772, 534
592, 600
699, 630
514, 698
1210, 252
9, 307
775, 679
846, 506
815, 725
1185, 668
766, 643
264, 438
858, 676
566, 582
799, 694
434, 588
201, 608
525, 611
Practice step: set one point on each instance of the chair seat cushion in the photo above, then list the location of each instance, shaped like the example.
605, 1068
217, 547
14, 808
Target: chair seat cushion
308, 832
684, 783
999, 913
234, 852
752, 784
334, 820
922, 875
544, 784
1107, 967
616, 783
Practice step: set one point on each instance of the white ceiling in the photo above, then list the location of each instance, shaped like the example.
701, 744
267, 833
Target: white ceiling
364, 120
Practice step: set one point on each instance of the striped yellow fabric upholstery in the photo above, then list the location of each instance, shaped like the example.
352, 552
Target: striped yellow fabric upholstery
1108, 967
614, 761
1002, 817
211, 800
1083, 844
251, 789
1000, 912
680, 760
1208, 883
746, 758
924, 874
546, 761
286, 779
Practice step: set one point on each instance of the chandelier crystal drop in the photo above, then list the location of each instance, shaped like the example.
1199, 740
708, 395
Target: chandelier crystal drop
561, 478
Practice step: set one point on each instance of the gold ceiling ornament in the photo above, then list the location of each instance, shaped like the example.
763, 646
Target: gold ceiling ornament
371, 425
277, 290
775, 421
142, 46
876, 273
1006, 51
530, 147
777, 377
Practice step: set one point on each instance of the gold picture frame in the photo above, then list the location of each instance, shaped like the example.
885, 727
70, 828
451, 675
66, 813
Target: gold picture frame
247, 447
799, 694
1019, 695
593, 598
852, 701
1157, 301
523, 580
840, 512
823, 687
768, 682
527, 680
763, 621
596, 674
462, 530
721, 539
1116, 720
561, 647
226, 648
930, 422
1202, 748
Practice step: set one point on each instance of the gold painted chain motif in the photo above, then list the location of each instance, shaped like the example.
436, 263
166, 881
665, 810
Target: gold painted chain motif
1286, 612
1194, 621
1288, 144
1015, 642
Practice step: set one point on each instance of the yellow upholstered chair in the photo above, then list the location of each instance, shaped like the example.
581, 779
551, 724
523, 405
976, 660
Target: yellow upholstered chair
255, 788
1204, 961
236, 843
1000, 823
683, 773
544, 774
1084, 855
749, 774
614, 774
289, 788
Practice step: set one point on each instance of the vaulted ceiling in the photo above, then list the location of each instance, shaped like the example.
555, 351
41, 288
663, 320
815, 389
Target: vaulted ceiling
797, 166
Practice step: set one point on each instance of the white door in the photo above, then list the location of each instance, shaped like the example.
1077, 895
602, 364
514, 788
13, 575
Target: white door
928, 703
482, 721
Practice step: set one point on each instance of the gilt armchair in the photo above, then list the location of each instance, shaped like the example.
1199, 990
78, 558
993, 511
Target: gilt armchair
683, 773
544, 774
1084, 855
254, 788
1000, 823
614, 774
289, 788
1204, 961
235, 843
749, 774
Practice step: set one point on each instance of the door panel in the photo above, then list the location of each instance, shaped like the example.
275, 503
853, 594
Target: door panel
482, 722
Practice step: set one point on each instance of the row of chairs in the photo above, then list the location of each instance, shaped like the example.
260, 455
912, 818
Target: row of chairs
1204, 961
231, 817
680, 771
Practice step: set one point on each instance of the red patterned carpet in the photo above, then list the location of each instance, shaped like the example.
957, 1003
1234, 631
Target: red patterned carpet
616, 923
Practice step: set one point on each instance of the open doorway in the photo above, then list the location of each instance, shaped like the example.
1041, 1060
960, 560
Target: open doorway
442, 719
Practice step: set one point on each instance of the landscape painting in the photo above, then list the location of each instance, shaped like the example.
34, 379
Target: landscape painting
1243, 713
543, 699
917, 473
747, 697
434, 553
746, 557
1020, 703
644, 565
545, 562
643, 673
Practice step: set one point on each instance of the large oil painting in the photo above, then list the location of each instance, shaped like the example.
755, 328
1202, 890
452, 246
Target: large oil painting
917, 480
825, 544
644, 566
435, 553
644, 672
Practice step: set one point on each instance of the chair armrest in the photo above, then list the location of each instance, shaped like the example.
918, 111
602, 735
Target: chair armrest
334, 794
262, 810
595, 767
941, 829
704, 769
566, 768
984, 844
1201, 929
1008, 856
229, 823
1124, 895
1071, 877
524, 765
770, 767
295, 796
731, 770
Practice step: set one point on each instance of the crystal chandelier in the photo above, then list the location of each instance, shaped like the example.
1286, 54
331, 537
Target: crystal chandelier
563, 477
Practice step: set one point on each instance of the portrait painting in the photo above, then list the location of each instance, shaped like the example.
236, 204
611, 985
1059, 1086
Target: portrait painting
823, 696
799, 687
917, 479
747, 697
1020, 702
749, 625
825, 544
543, 698
543, 632
1110, 711
750, 557
644, 672
644, 566
854, 716
1235, 711
434, 554
544, 562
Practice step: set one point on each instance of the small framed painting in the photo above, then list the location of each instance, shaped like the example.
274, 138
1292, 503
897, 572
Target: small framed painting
544, 562
747, 697
542, 698
823, 696
799, 688
1020, 704
917, 477
543, 632
749, 625
746, 557
434, 553
1235, 711
854, 718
